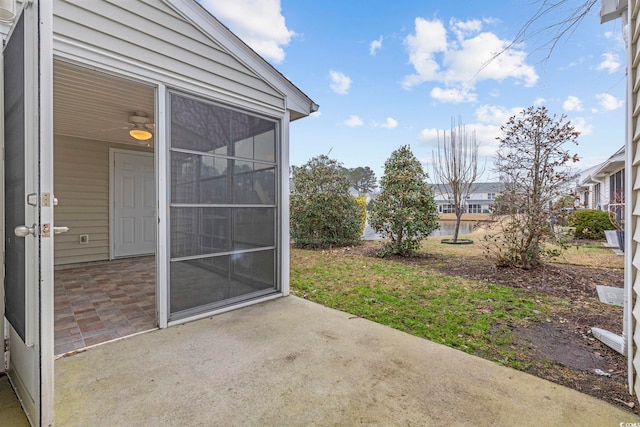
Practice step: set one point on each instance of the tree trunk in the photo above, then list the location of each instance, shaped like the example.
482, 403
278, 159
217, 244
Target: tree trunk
457, 229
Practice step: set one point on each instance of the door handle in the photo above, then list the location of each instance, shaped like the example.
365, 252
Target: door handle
24, 231
60, 230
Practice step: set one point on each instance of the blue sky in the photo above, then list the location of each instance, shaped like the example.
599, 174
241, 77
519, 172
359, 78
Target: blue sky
390, 73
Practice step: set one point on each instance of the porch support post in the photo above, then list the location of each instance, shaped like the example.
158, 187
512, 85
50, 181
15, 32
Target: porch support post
162, 192
284, 204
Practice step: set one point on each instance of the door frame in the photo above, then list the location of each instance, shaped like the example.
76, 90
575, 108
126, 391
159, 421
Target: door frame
112, 66
35, 354
112, 201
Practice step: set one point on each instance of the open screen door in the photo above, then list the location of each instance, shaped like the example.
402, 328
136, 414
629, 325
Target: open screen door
28, 180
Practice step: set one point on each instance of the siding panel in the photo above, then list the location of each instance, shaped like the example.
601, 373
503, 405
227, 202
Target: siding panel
81, 180
154, 35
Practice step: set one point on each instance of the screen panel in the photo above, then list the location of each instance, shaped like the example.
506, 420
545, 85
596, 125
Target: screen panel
223, 206
14, 178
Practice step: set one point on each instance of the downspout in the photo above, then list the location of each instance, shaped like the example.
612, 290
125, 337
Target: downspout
610, 10
627, 316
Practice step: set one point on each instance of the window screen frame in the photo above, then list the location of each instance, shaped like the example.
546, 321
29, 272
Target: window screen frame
183, 315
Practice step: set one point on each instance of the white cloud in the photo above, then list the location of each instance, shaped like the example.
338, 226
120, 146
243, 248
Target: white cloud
453, 95
374, 46
485, 135
429, 136
430, 38
495, 114
340, 83
609, 102
539, 102
464, 29
353, 121
610, 63
469, 57
315, 114
260, 24
581, 125
489, 119
390, 123
572, 103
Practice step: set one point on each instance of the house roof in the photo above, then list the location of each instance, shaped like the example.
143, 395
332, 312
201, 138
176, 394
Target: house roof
478, 187
298, 103
604, 169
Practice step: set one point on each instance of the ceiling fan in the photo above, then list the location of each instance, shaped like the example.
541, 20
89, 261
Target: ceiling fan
138, 125
142, 127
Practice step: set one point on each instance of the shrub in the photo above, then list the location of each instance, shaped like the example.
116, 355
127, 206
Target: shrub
589, 223
404, 211
362, 203
323, 213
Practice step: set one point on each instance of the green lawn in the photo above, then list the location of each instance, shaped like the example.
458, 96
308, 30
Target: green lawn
468, 315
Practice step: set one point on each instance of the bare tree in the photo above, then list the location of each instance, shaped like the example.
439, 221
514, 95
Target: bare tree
534, 166
455, 167
568, 14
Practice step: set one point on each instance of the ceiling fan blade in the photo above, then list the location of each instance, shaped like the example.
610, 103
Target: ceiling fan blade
109, 129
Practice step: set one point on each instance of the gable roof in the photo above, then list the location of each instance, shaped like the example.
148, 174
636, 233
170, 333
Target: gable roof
298, 103
604, 169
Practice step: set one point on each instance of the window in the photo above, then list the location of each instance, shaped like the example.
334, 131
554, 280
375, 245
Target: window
473, 208
447, 208
616, 195
491, 196
616, 187
223, 206
597, 203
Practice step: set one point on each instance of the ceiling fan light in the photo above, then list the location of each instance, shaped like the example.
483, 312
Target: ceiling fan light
140, 134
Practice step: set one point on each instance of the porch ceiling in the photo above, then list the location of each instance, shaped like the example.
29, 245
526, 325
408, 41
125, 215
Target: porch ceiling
97, 106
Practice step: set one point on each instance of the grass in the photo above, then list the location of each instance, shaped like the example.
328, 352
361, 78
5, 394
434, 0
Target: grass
472, 316
592, 255
468, 315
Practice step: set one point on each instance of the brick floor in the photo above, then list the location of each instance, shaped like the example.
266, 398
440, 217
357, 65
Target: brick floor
98, 302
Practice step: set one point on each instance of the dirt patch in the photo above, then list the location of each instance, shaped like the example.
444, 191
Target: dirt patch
560, 347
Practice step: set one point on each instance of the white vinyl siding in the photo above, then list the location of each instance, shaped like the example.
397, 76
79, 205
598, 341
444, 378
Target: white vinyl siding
81, 180
151, 35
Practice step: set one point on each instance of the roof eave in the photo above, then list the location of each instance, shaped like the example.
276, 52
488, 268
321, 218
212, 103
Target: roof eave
298, 103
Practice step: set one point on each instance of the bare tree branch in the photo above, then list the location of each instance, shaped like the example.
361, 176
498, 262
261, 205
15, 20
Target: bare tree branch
569, 15
455, 168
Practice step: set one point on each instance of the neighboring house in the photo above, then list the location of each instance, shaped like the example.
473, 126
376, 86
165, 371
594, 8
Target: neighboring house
480, 200
166, 135
602, 186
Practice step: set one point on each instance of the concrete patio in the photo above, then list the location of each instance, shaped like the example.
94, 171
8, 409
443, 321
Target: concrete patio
292, 362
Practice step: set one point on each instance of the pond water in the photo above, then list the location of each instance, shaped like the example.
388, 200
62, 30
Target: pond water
446, 229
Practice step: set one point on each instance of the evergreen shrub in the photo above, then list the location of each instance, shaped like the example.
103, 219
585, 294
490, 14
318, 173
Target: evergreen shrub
322, 212
589, 223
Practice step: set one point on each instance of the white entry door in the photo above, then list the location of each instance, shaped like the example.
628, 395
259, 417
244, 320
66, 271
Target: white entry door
134, 204
28, 207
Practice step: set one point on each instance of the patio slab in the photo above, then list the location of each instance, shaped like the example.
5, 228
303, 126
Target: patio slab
293, 362
10, 411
